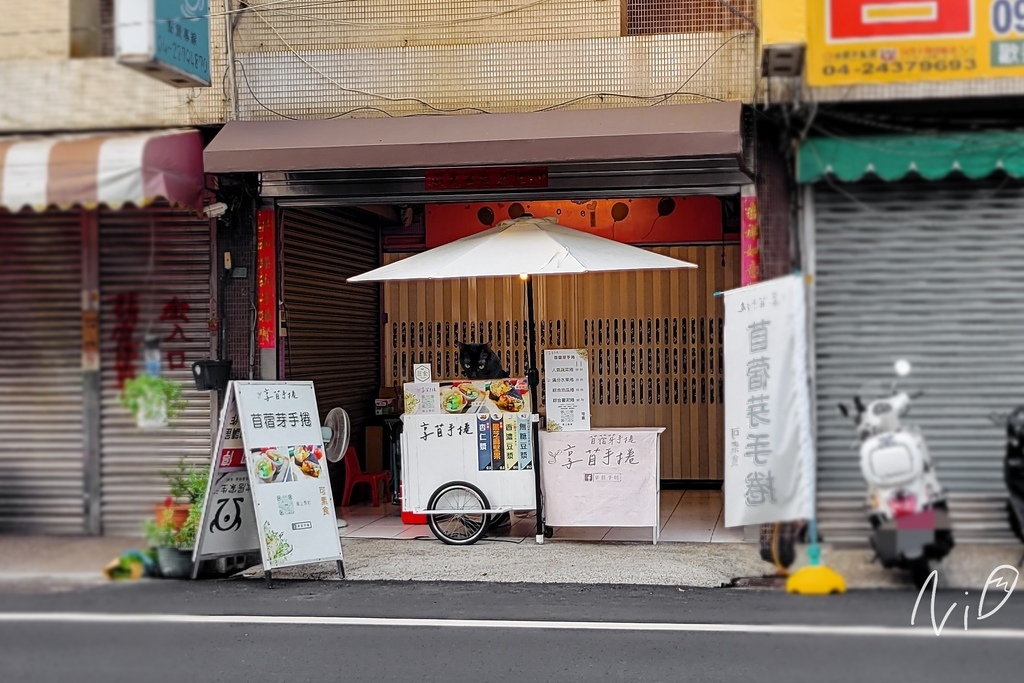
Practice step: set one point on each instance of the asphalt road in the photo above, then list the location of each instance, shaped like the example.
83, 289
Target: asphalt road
333, 631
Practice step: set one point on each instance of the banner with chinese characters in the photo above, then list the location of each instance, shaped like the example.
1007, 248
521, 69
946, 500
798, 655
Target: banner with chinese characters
750, 233
891, 41
228, 523
491, 451
769, 459
266, 280
283, 455
567, 390
607, 477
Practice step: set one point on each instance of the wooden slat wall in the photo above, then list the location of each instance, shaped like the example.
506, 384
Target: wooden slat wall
654, 340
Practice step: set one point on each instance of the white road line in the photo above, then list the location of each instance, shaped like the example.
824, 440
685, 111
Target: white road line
765, 629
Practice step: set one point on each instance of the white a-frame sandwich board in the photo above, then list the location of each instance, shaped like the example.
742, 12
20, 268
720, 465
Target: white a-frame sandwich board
268, 488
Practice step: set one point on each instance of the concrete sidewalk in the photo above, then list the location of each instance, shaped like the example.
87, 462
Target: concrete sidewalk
70, 561
707, 565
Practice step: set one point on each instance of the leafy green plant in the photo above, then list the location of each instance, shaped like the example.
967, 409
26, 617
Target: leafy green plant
190, 529
188, 482
162, 534
184, 482
156, 397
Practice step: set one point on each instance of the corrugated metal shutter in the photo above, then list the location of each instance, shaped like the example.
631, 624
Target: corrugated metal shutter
132, 459
41, 402
333, 326
930, 272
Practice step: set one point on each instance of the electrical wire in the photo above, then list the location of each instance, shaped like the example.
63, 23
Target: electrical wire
661, 98
729, 6
711, 56
356, 91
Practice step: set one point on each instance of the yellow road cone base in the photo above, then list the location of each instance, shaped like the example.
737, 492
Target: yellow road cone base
819, 580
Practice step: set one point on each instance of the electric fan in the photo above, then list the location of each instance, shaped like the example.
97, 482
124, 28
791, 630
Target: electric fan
337, 430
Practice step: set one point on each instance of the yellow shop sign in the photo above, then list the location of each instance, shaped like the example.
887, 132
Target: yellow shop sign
897, 41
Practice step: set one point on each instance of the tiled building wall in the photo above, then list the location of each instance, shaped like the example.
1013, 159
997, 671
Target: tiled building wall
35, 30
300, 59
47, 90
400, 57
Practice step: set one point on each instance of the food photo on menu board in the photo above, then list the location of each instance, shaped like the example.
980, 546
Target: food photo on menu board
470, 396
292, 463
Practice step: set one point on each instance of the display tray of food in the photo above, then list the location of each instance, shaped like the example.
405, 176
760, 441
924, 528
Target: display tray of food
457, 397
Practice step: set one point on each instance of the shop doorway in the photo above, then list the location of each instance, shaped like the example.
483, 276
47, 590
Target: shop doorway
654, 339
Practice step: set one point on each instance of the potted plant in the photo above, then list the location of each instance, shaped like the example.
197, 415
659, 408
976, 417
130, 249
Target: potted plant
173, 537
186, 483
173, 549
153, 400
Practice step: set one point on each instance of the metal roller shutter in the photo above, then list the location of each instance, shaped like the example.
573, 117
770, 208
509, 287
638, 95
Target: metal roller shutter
41, 402
178, 286
930, 272
333, 326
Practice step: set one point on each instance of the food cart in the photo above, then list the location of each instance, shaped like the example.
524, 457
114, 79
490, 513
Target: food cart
527, 247
467, 454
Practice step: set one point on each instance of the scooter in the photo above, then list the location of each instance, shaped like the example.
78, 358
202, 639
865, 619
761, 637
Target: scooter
908, 509
1013, 467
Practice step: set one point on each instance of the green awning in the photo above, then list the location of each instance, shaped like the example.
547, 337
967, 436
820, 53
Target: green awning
929, 156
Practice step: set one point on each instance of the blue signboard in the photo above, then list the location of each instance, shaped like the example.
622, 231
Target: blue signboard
183, 37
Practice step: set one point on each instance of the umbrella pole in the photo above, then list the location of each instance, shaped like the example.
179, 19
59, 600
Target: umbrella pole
533, 377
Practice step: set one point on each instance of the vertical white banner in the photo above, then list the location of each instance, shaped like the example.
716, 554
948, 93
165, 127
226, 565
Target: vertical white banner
769, 453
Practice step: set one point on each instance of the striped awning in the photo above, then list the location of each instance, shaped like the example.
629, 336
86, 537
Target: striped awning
111, 169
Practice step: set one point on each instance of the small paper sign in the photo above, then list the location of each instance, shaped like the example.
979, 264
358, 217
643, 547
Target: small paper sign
567, 390
421, 373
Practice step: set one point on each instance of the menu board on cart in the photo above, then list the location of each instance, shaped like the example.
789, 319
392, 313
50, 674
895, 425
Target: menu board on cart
567, 390
283, 458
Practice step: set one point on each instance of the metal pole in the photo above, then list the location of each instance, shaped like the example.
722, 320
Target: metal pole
533, 377
229, 38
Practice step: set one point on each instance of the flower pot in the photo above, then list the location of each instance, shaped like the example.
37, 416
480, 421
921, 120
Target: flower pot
179, 513
174, 562
152, 414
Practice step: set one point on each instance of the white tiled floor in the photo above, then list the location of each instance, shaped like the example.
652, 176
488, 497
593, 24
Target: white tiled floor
686, 516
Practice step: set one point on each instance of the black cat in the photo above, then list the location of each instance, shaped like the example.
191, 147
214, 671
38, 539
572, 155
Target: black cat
478, 361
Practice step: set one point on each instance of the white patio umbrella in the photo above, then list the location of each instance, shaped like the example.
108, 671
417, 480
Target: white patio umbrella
526, 247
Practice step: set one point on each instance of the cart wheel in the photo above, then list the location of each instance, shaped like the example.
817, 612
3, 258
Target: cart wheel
466, 527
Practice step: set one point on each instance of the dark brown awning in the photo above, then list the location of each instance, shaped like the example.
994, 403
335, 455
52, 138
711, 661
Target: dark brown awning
557, 137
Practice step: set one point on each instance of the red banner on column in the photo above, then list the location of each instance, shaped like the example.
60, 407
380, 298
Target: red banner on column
750, 260
266, 280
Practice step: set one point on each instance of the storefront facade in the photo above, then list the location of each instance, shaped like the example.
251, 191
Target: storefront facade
367, 192
914, 244
83, 287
